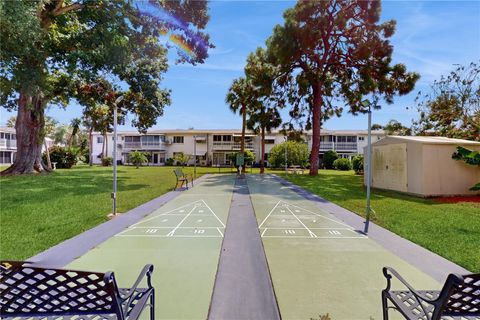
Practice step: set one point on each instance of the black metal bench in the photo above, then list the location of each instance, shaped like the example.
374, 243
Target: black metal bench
182, 179
458, 299
32, 292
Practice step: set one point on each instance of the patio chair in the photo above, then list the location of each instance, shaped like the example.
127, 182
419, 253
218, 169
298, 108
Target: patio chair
458, 299
28, 291
182, 179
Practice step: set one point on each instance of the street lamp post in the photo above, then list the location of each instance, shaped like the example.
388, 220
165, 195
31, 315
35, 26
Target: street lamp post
369, 165
286, 154
194, 157
114, 193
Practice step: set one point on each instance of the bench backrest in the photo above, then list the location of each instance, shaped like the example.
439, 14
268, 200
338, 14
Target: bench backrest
178, 172
461, 296
26, 290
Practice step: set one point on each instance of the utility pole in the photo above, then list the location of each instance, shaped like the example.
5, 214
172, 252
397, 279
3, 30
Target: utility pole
286, 154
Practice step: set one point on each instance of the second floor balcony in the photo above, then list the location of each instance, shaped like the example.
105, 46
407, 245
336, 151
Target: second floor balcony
338, 146
226, 145
8, 144
144, 145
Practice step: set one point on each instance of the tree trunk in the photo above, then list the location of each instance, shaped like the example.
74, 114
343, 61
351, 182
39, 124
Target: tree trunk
103, 147
262, 161
49, 162
30, 135
106, 144
316, 122
90, 147
242, 141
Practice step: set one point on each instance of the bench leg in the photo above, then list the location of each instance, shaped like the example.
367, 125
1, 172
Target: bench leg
152, 305
384, 305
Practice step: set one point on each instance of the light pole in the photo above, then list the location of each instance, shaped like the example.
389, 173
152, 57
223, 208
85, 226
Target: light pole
286, 154
114, 193
194, 157
368, 104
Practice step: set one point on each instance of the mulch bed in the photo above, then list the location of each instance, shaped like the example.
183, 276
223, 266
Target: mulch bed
458, 199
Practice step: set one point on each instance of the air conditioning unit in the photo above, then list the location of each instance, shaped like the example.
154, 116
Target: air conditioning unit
119, 145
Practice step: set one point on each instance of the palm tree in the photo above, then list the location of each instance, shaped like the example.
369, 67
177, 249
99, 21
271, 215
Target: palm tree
240, 95
263, 119
75, 125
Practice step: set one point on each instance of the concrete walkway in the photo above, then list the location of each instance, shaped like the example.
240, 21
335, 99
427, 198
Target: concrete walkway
243, 288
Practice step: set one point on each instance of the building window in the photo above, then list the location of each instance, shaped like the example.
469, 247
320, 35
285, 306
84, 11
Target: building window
132, 139
269, 141
178, 139
227, 138
217, 138
361, 138
150, 140
346, 139
100, 139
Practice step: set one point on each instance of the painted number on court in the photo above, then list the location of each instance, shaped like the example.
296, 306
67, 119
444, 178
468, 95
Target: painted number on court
290, 231
199, 231
151, 231
334, 232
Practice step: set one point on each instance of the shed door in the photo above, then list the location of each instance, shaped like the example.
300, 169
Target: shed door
389, 169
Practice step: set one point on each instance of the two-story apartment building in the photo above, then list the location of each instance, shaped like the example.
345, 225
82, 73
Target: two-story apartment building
213, 147
8, 145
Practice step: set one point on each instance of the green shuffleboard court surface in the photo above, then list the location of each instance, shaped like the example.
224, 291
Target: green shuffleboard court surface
318, 264
182, 239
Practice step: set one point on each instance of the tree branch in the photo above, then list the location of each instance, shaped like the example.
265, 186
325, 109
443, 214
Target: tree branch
62, 10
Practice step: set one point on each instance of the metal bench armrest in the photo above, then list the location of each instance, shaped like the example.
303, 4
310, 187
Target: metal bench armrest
132, 292
388, 272
147, 271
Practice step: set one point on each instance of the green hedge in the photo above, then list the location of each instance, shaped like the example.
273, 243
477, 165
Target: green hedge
342, 164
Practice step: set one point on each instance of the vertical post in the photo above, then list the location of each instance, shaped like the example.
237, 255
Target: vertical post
194, 157
369, 168
286, 155
114, 193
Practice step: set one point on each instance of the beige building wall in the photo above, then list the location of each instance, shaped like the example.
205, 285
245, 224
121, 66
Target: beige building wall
443, 175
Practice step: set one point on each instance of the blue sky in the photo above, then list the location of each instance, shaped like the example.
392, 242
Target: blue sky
431, 37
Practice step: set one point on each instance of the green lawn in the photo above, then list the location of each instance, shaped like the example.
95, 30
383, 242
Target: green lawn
450, 230
39, 211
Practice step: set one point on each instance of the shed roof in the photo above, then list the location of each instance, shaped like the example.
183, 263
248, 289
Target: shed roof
430, 140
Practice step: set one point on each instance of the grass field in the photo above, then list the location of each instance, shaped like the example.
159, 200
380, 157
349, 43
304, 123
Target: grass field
40, 211
450, 230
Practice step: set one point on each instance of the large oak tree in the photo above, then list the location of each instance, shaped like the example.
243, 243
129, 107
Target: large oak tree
332, 54
49, 45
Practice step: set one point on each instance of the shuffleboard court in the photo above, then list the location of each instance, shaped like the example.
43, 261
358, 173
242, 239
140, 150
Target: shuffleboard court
182, 239
319, 264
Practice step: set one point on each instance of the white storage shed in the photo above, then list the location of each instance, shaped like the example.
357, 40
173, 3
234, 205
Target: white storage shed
422, 166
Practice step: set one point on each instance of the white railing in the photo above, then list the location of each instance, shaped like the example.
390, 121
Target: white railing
326, 145
9, 144
221, 145
339, 146
143, 145
346, 146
